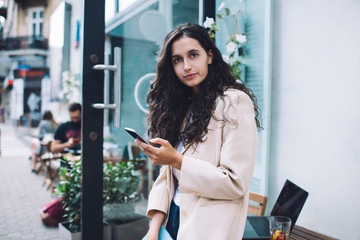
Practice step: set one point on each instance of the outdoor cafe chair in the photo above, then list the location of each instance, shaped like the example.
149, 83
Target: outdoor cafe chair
257, 204
49, 162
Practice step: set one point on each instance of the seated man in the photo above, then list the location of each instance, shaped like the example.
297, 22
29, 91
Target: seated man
67, 135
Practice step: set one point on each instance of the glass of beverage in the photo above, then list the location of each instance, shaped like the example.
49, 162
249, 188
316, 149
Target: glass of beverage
280, 228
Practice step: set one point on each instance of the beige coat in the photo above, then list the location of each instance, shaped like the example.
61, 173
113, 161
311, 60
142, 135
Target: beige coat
215, 177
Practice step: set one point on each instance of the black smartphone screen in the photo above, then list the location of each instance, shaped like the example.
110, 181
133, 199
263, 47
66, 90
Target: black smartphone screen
134, 134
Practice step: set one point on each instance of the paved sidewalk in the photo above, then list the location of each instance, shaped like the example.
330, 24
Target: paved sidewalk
21, 192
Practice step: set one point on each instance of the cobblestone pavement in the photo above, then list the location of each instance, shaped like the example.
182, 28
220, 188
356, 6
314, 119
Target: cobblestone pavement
21, 192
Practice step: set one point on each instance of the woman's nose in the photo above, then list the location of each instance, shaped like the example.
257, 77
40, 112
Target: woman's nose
187, 66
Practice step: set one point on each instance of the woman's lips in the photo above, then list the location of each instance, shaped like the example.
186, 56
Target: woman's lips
190, 76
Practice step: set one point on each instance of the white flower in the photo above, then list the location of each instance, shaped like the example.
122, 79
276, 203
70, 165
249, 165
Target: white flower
208, 22
240, 38
221, 6
61, 94
226, 58
230, 47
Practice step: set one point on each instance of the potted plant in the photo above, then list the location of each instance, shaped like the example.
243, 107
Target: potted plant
69, 189
120, 185
121, 193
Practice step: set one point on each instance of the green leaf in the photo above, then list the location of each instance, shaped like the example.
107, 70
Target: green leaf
227, 11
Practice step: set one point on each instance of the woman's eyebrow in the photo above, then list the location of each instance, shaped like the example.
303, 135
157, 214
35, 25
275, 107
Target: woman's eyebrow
191, 50
194, 50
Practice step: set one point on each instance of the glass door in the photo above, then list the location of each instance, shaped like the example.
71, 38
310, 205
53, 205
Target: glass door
138, 29
119, 62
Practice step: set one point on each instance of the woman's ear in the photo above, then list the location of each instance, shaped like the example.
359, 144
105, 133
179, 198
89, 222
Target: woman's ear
210, 55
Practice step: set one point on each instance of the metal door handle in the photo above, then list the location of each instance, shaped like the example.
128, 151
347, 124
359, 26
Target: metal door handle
105, 67
117, 79
104, 106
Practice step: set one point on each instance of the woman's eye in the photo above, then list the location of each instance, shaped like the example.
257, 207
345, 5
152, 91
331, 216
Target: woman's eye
194, 55
176, 60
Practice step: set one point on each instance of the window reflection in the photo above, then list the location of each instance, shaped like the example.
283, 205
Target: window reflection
123, 4
134, 26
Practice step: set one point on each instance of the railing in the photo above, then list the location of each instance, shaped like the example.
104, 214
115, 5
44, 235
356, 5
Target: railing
24, 42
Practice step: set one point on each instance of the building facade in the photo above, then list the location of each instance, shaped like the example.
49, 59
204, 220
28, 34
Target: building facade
39, 50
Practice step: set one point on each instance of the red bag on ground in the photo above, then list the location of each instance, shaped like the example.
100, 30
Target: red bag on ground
52, 213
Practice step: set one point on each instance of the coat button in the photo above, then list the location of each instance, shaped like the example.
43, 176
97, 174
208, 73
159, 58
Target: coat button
183, 213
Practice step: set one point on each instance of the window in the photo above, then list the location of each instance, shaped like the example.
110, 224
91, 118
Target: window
257, 16
35, 21
125, 32
124, 4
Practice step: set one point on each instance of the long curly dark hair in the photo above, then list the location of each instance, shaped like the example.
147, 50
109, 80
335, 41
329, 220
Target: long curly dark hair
170, 100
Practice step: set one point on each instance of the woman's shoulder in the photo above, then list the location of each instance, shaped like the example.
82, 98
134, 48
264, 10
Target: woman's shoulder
234, 104
45, 123
234, 96
42, 122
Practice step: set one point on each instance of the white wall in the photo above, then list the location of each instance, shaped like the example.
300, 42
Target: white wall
76, 53
315, 132
16, 106
10, 27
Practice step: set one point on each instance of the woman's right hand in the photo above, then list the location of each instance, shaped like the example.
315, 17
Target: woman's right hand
164, 155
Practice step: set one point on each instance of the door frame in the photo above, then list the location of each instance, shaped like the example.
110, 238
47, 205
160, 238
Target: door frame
92, 120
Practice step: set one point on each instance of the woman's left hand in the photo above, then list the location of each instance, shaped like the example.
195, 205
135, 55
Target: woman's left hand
163, 155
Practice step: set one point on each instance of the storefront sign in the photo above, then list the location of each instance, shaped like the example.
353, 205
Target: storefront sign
40, 72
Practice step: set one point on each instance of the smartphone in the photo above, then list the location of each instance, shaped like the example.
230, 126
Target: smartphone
133, 133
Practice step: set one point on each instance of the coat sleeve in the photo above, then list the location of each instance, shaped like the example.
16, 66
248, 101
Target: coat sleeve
230, 178
159, 198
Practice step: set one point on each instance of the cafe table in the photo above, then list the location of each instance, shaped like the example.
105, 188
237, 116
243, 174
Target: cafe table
301, 233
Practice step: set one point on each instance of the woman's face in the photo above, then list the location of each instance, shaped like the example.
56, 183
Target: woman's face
190, 62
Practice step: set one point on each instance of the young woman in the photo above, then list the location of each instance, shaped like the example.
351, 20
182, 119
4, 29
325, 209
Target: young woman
206, 123
46, 126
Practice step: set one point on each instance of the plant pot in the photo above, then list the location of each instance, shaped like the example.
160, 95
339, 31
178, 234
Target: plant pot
119, 212
130, 229
125, 223
65, 233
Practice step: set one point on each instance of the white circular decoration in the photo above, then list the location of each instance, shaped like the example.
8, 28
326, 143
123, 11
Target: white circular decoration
142, 88
153, 26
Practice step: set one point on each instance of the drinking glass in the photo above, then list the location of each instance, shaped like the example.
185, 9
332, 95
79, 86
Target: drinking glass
280, 228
